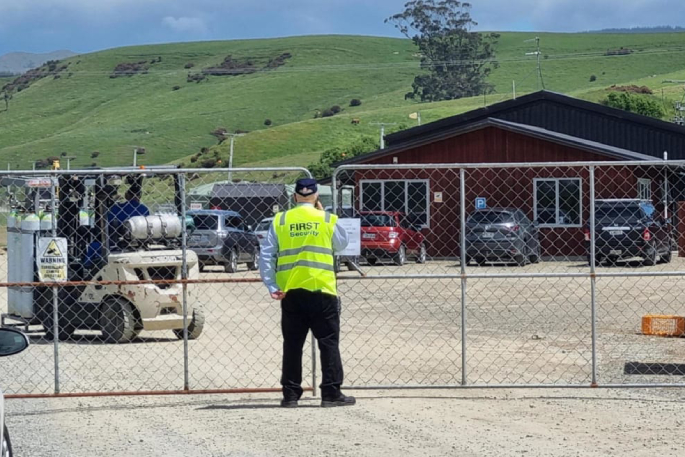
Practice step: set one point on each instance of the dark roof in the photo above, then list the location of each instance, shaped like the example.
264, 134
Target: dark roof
536, 132
515, 110
248, 191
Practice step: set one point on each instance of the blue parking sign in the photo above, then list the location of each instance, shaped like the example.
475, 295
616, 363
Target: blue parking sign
481, 203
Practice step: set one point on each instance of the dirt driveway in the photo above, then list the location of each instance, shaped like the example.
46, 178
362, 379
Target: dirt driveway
396, 331
416, 423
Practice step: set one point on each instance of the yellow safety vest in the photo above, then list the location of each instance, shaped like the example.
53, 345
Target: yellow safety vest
305, 250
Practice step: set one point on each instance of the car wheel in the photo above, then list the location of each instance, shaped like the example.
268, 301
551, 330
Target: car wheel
667, 257
598, 261
535, 256
520, 260
232, 265
6, 443
197, 324
117, 320
422, 254
651, 258
401, 257
254, 264
372, 261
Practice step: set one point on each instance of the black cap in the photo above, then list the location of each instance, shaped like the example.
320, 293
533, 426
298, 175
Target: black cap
306, 187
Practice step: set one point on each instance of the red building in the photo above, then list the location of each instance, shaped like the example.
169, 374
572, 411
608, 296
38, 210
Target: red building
519, 132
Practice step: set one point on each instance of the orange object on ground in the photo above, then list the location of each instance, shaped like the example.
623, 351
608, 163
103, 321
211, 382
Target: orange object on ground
654, 324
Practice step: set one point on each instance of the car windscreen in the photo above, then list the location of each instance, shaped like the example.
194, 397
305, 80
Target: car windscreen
263, 226
618, 213
491, 217
206, 221
377, 220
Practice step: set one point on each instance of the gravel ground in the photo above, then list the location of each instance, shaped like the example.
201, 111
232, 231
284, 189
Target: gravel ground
408, 423
395, 332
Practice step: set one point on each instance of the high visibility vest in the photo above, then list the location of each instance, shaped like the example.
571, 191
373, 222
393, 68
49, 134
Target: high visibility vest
305, 250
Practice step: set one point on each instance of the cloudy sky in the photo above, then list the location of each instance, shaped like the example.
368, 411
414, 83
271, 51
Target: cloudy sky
88, 25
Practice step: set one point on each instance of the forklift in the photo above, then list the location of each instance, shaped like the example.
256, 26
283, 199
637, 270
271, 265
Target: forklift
142, 248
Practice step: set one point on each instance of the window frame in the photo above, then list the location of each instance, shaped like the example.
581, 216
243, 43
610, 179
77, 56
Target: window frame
557, 206
406, 182
644, 182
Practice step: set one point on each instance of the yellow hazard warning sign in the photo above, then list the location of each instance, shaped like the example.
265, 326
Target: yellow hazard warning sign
52, 250
52, 260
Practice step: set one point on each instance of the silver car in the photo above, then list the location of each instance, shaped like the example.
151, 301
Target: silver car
263, 229
11, 342
222, 238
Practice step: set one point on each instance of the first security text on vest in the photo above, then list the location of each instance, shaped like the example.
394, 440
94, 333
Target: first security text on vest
304, 229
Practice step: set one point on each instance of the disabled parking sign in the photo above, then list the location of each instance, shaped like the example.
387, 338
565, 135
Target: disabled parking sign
481, 203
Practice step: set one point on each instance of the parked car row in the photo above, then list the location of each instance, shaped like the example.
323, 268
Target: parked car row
625, 229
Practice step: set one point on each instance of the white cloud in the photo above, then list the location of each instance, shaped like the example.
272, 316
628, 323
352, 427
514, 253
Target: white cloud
185, 24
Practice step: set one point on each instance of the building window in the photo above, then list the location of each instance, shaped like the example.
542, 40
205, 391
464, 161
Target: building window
644, 189
410, 197
558, 202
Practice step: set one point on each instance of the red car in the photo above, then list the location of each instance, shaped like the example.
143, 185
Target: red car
387, 235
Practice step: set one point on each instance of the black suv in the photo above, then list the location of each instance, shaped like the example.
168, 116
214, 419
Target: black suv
501, 234
626, 229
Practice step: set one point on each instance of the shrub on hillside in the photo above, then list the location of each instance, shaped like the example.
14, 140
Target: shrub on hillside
327, 113
193, 159
268, 122
638, 104
336, 109
204, 150
593, 78
189, 65
355, 102
94, 164
176, 88
94, 155
208, 163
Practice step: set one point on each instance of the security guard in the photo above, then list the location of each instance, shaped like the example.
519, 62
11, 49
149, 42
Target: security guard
297, 266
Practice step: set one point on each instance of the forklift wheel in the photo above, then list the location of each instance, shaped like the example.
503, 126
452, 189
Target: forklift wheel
117, 320
195, 327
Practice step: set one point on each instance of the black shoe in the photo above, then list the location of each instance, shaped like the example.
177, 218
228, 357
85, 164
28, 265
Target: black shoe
342, 400
288, 403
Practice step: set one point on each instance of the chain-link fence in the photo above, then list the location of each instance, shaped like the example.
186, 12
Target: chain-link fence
467, 275
559, 274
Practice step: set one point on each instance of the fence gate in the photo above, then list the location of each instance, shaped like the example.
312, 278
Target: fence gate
511, 275
121, 311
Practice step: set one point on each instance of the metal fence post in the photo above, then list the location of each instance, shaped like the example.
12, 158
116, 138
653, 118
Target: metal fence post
55, 288
462, 252
593, 278
184, 277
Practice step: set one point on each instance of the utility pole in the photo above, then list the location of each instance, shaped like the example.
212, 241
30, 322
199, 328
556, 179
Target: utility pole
513, 85
383, 124
230, 154
33, 164
541, 82
69, 159
136, 152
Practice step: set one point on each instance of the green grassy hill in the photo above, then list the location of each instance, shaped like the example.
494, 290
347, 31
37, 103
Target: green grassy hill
85, 110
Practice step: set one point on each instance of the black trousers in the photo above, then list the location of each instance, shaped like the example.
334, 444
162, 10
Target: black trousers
302, 310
